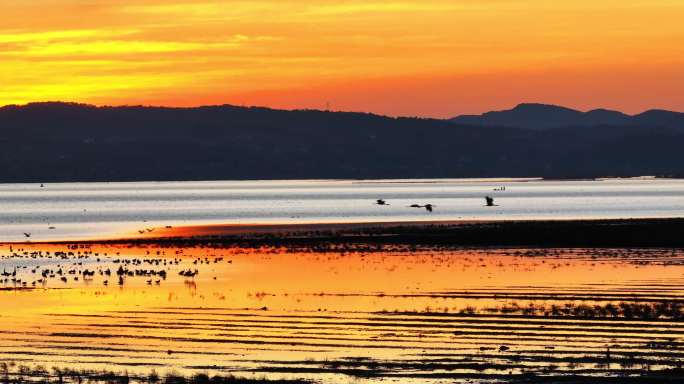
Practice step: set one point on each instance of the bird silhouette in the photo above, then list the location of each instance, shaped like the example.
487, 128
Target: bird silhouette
381, 202
489, 200
428, 207
27, 234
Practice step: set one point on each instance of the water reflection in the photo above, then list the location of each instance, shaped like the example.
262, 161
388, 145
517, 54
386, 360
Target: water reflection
408, 314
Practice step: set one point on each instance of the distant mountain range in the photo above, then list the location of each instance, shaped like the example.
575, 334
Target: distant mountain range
543, 116
49, 142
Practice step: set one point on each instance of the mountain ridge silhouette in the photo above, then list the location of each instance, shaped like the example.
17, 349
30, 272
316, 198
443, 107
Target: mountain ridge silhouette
50, 142
549, 116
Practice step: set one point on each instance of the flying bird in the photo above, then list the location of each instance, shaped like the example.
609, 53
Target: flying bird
489, 200
381, 202
27, 234
428, 207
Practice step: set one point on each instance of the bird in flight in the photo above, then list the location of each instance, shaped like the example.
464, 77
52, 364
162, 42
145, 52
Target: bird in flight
381, 202
428, 207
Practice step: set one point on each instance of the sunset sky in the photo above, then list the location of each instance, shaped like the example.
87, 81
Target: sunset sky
404, 57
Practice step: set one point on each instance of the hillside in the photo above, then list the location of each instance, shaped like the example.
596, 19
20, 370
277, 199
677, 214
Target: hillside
544, 116
50, 142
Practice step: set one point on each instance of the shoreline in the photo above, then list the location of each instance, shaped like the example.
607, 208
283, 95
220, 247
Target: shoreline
656, 232
521, 179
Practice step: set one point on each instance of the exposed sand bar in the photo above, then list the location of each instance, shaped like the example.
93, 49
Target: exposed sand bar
547, 233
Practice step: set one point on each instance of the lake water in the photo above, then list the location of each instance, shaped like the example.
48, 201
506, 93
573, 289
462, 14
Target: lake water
100, 210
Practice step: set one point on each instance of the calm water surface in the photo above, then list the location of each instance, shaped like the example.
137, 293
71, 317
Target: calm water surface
87, 210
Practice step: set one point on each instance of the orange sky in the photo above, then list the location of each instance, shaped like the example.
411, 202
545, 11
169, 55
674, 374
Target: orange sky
403, 57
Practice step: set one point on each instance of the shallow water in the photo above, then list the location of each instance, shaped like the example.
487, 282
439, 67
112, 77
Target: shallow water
396, 315
103, 210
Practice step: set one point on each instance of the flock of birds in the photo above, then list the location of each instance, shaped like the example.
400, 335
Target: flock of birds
75, 272
489, 202
76, 268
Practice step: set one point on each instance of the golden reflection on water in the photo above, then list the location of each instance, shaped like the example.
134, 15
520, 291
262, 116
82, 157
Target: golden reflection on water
247, 309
